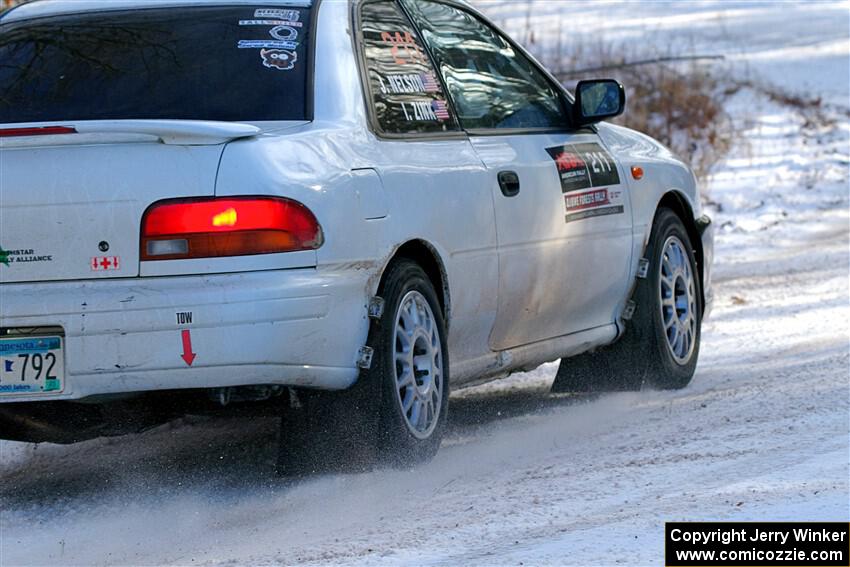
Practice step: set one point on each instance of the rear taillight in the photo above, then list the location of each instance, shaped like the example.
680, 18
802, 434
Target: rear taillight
229, 226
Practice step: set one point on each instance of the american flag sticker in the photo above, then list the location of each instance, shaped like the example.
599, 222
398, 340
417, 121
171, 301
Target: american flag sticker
429, 81
440, 109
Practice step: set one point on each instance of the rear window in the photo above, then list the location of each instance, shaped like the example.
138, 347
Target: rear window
246, 63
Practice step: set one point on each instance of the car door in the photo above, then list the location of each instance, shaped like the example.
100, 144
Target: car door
434, 186
563, 214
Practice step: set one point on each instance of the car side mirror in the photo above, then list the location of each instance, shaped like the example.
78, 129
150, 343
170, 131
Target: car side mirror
597, 100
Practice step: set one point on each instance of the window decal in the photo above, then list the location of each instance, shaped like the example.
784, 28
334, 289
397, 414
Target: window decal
491, 84
407, 96
180, 62
278, 52
281, 59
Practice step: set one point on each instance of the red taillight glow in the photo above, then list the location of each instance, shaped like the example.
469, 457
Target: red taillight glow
230, 226
38, 131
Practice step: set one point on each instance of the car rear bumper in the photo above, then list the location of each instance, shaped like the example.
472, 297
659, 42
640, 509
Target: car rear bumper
289, 327
706, 231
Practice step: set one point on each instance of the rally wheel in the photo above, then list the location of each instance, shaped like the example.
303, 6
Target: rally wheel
660, 345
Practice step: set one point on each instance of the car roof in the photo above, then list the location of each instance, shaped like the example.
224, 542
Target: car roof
40, 8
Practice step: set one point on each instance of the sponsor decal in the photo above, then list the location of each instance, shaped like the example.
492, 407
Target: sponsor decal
105, 263
281, 59
572, 170
587, 166
582, 166
288, 23
266, 44
590, 213
403, 48
25, 255
586, 200
284, 33
281, 14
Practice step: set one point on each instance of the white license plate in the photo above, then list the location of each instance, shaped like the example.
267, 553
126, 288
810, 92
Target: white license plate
31, 365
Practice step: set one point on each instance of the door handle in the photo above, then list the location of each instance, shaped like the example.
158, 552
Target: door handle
509, 183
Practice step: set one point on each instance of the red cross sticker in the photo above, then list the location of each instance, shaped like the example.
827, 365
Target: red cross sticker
102, 263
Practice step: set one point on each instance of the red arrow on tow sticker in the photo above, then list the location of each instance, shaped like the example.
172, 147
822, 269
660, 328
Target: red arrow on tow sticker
188, 356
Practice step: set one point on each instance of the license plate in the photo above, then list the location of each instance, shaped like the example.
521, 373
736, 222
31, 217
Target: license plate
31, 365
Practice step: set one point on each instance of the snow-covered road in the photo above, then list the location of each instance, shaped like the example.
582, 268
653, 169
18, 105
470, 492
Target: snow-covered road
525, 477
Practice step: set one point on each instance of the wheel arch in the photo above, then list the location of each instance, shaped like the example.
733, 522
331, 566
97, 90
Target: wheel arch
678, 203
428, 258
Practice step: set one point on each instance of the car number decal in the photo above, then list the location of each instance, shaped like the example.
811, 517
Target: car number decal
587, 166
582, 166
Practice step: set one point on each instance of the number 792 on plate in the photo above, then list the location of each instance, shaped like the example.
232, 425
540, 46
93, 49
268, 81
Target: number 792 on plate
31, 365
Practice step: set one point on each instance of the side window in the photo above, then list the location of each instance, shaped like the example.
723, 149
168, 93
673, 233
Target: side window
406, 95
490, 83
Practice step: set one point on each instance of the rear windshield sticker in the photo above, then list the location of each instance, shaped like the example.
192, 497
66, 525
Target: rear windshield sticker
270, 23
265, 44
281, 59
582, 166
282, 14
284, 33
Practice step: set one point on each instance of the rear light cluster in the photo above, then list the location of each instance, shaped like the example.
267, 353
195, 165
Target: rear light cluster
228, 226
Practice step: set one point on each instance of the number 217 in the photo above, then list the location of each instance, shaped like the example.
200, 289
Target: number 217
597, 161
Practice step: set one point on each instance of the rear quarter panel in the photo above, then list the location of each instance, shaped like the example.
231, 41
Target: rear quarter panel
373, 195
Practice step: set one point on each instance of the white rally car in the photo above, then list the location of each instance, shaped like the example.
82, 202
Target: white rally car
335, 209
